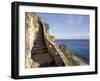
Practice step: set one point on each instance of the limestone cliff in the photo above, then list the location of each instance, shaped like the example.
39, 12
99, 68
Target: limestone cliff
40, 50
31, 28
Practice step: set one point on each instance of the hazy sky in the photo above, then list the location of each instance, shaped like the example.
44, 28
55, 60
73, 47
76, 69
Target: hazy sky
67, 26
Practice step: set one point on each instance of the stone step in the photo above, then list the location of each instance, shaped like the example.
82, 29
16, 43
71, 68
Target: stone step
39, 33
39, 45
39, 52
42, 58
40, 40
38, 48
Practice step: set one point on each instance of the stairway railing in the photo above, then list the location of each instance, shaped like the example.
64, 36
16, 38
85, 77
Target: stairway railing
56, 53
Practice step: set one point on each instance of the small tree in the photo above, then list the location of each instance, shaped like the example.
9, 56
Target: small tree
46, 27
63, 48
69, 55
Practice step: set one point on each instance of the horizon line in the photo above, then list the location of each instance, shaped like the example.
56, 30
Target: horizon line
72, 39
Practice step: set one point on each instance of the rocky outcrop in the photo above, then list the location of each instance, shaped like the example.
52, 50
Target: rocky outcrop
40, 49
31, 29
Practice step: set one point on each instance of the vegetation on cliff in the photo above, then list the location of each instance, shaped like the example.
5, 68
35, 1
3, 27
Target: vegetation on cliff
47, 31
69, 55
46, 27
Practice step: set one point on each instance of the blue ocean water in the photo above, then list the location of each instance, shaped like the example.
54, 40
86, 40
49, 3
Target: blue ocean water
78, 47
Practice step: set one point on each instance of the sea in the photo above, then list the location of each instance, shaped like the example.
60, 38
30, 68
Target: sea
79, 47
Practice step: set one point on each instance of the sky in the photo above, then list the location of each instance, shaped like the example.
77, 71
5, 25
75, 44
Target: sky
67, 26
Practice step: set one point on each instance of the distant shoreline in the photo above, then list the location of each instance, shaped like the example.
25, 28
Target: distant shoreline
82, 62
81, 59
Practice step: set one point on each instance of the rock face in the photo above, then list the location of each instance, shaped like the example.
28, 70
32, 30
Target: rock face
39, 51
31, 29
35, 47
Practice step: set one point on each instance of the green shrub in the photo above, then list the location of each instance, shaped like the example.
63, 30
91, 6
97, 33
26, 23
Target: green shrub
69, 55
63, 48
71, 59
46, 27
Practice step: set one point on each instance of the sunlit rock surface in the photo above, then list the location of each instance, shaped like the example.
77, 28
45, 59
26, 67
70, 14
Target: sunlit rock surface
31, 28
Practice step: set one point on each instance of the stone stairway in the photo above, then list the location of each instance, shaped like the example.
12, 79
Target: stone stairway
39, 51
44, 53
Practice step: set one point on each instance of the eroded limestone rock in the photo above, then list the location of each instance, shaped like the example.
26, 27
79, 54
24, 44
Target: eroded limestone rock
31, 28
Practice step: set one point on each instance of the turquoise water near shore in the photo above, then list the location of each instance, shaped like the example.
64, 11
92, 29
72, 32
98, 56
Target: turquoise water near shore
79, 47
